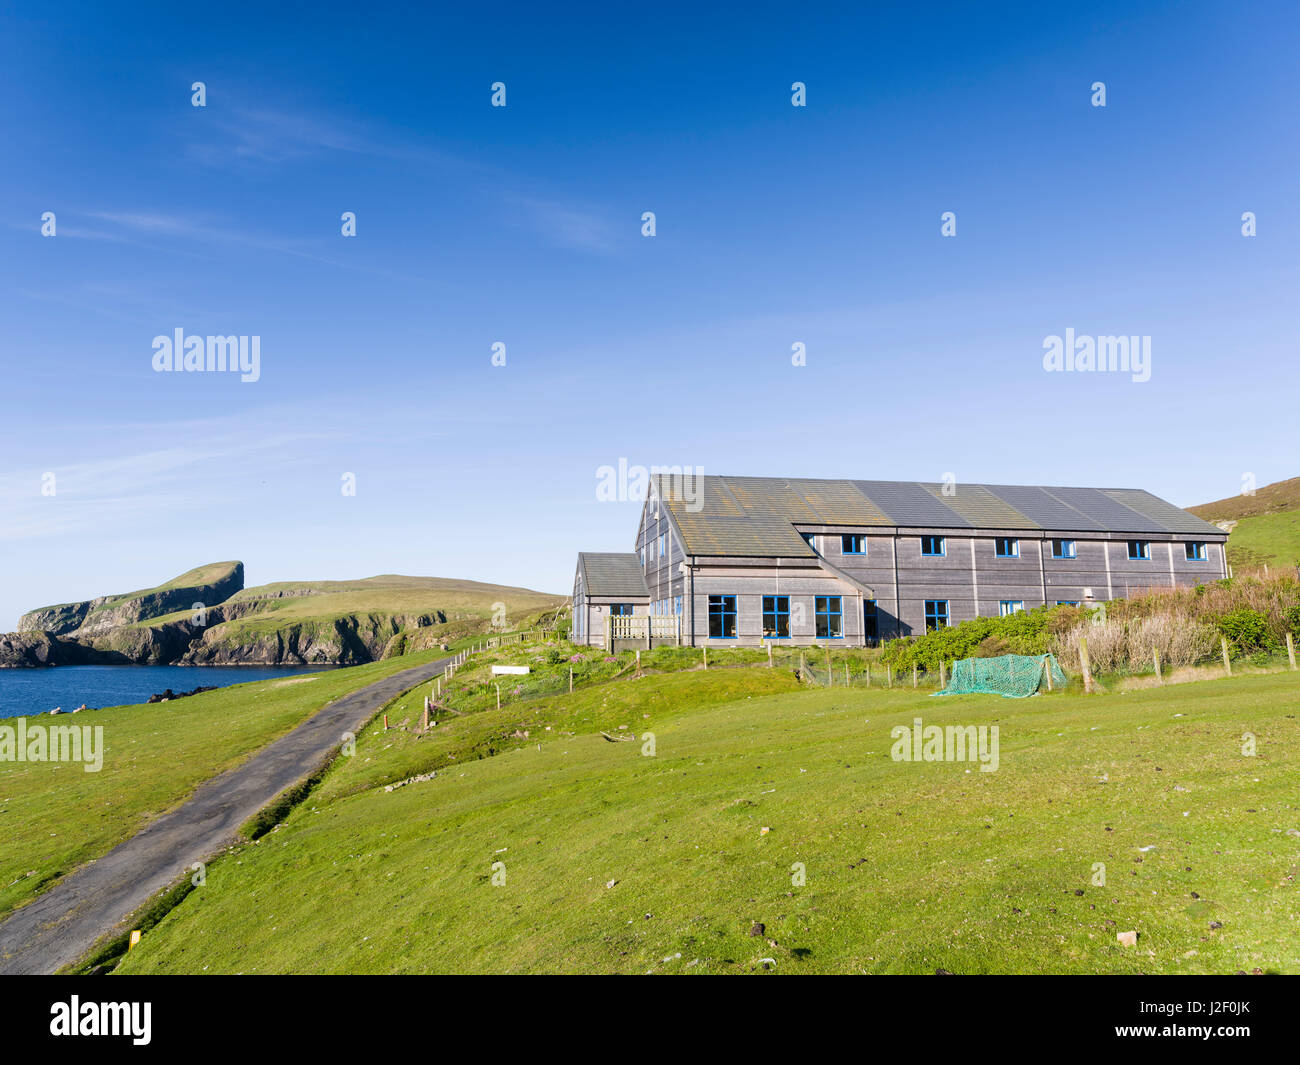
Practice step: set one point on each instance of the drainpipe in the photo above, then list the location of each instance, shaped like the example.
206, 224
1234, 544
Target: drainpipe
898, 604
690, 595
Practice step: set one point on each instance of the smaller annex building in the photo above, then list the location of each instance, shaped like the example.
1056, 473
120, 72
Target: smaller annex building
608, 585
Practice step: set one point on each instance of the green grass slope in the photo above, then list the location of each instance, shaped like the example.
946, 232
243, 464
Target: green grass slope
1268, 525
53, 817
1266, 540
334, 621
616, 861
209, 583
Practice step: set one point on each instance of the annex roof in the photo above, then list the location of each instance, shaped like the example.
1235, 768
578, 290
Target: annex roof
609, 573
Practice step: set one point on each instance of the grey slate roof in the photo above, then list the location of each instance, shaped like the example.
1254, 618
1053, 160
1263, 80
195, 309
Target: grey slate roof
757, 516
612, 574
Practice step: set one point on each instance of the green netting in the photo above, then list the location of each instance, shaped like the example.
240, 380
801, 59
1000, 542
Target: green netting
1011, 676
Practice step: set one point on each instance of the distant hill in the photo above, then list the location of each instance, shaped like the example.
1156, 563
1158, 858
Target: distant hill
1263, 529
212, 584
289, 622
358, 621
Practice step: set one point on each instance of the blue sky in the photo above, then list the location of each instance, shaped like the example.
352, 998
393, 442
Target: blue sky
522, 225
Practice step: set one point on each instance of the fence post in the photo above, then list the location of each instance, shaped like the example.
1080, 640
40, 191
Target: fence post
943, 675
868, 674
1227, 662
706, 658
913, 674
889, 675
1155, 657
1084, 664
570, 680
638, 662
1047, 670
846, 675
830, 670
1290, 650
498, 696
769, 655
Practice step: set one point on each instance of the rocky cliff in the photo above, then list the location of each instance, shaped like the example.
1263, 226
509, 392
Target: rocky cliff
294, 623
208, 585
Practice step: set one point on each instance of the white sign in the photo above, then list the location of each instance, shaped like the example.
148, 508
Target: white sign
511, 670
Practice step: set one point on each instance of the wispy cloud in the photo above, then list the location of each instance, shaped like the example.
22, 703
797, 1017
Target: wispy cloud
265, 137
579, 227
124, 491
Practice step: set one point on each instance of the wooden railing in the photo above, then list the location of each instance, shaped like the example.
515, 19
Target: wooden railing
642, 627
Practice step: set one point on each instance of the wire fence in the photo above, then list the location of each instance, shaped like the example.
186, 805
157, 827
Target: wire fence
557, 667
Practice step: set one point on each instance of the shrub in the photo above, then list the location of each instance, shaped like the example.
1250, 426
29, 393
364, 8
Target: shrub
1116, 646
1247, 630
1022, 633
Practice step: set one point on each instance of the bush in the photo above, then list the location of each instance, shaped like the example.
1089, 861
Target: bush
1248, 631
1128, 646
1023, 633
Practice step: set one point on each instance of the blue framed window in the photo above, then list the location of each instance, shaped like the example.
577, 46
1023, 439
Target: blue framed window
936, 614
621, 609
776, 617
1067, 602
677, 605
1139, 550
722, 617
853, 544
810, 539
1195, 551
643, 555
829, 618
1063, 549
1006, 547
1010, 606
933, 545
663, 544
870, 621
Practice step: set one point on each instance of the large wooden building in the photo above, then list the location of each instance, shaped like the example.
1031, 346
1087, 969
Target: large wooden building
741, 560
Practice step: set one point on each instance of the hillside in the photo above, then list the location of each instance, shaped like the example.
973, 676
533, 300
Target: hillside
213, 583
771, 830
1263, 529
289, 622
358, 621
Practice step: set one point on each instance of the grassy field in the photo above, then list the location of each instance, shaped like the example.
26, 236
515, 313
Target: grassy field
1268, 525
55, 816
615, 860
1267, 539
